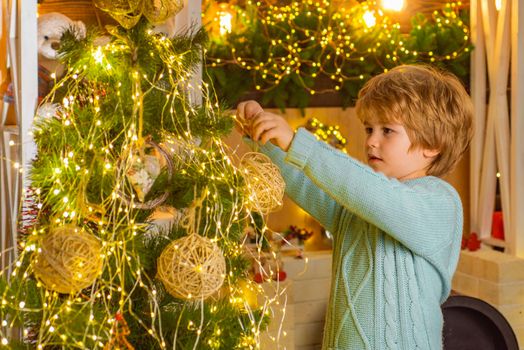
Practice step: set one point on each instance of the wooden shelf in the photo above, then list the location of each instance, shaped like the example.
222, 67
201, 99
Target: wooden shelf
494, 242
77, 10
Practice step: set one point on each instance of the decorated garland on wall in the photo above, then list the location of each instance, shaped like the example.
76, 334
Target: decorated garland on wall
291, 52
327, 133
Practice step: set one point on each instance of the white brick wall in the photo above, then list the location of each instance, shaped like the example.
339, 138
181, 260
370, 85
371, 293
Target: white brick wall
494, 277
308, 281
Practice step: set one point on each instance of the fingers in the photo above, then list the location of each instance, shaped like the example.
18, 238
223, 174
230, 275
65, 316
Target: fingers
246, 111
251, 109
240, 111
279, 135
239, 127
264, 127
261, 122
261, 127
268, 134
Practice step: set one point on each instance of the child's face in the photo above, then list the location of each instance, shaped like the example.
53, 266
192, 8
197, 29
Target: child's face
387, 147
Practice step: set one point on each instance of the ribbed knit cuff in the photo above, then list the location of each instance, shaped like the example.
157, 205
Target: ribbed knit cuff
301, 148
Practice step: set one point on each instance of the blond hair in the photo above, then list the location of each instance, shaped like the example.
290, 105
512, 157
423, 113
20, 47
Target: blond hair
431, 104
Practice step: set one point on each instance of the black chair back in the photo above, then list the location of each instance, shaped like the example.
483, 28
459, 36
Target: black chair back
472, 324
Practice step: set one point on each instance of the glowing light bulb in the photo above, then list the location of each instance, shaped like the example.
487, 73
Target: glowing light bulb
369, 19
393, 5
225, 19
98, 55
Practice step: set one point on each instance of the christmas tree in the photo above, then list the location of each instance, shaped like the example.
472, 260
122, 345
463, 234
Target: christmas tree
120, 139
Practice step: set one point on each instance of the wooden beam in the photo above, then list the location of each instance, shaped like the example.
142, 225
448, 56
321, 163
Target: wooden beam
515, 236
497, 141
488, 180
489, 168
500, 110
489, 18
478, 96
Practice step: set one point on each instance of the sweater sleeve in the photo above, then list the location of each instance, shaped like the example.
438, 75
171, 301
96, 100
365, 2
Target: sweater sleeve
423, 217
302, 190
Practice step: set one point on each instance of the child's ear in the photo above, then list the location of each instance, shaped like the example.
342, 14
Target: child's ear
430, 153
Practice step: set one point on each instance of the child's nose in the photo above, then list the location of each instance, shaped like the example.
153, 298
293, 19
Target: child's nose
372, 140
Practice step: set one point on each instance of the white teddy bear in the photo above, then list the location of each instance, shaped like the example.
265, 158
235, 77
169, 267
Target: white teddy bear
51, 26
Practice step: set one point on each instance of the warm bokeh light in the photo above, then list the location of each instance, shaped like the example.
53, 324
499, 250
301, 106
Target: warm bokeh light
348, 35
498, 4
225, 19
393, 5
369, 19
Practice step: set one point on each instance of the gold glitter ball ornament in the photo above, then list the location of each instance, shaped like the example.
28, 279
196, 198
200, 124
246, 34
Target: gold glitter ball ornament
128, 12
192, 267
264, 183
68, 260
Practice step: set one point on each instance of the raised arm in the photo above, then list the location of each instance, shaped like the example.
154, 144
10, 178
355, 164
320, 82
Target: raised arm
423, 214
302, 190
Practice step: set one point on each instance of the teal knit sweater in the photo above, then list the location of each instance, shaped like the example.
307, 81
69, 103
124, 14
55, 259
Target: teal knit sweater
396, 246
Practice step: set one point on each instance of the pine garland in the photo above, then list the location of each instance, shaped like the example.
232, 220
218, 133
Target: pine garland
289, 53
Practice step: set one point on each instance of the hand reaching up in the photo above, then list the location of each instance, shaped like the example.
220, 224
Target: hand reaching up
263, 126
245, 112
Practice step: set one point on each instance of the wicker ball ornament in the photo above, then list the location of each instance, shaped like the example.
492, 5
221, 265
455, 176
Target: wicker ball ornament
192, 267
68, 260
264, 182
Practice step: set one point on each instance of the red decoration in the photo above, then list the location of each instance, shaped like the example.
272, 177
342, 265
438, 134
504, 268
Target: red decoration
497, 227
258, 277
295, 232
119, 331
473, 242
464, 243
280, 276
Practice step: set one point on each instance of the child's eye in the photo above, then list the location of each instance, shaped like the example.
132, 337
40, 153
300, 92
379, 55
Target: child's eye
369, 130
387, 131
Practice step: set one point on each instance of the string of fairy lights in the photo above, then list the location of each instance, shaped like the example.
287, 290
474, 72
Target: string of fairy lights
312, 38
305, 40
67, 175
327, 133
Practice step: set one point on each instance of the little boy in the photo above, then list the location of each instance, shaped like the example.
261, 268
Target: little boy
397, 226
